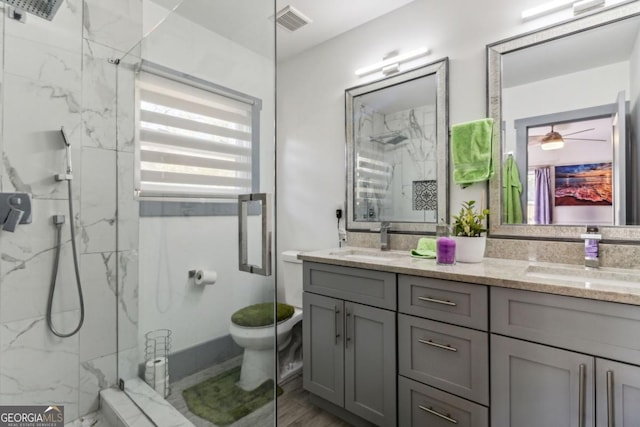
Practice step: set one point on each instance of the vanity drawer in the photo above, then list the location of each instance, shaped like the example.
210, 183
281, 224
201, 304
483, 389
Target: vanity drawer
600, 328
421, 405
449, 357
375, 288
452, 302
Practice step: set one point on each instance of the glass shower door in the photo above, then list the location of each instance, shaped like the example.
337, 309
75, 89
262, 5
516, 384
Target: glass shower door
196, 107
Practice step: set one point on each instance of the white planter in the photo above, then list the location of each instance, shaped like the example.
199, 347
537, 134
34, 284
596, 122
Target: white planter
470, 249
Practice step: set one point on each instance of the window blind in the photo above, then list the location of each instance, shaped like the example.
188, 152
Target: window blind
192, 142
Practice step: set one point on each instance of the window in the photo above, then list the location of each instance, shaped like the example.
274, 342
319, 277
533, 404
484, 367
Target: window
195, 140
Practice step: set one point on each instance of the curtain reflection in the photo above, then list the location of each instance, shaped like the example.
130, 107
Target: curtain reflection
543, 196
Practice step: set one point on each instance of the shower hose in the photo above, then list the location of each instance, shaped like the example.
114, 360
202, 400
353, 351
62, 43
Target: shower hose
56, 262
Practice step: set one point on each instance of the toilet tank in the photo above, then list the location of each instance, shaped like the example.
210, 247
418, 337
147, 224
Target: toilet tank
292, 278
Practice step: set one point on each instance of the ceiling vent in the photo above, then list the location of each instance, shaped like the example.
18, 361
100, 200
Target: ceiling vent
291, 19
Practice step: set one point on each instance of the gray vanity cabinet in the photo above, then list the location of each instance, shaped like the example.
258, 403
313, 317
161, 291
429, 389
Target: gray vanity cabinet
563, 370
533, 385
443, 353
350, 348
617, 394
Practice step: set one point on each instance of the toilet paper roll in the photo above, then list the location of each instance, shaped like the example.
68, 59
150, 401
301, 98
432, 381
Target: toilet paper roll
206, 277
156, 369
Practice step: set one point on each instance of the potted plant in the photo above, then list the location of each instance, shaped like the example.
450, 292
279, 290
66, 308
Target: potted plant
468, 231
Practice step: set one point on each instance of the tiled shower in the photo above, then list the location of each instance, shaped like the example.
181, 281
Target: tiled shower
78, 71
61, 73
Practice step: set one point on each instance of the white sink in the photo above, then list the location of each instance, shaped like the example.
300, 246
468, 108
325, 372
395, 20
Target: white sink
371, 255
580, 274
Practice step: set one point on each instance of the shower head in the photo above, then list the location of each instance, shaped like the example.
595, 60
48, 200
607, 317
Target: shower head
64, 137
43, 8
392, 138
67, 144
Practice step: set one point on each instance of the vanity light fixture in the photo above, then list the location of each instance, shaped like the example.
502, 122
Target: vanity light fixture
586, 5
391, 63
545, 8
552, 141
555, 5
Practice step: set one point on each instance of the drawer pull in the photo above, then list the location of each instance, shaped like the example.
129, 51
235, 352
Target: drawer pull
438, 301
435, 344
438, 414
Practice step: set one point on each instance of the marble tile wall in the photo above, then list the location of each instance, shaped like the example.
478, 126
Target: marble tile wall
58, 74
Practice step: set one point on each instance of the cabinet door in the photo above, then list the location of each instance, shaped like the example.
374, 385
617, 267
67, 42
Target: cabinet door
617, 394
370, 363
323, 351
533, 385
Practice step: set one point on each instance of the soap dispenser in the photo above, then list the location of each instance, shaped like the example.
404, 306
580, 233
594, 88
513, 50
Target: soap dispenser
591, 246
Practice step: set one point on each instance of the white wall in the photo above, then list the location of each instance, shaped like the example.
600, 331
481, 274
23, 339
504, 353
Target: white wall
311, 141
171, 246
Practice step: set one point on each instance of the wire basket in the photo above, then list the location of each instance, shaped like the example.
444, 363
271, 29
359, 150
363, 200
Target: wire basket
157, 349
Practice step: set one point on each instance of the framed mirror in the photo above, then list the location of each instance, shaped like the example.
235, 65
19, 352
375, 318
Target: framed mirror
566, 101
397, 139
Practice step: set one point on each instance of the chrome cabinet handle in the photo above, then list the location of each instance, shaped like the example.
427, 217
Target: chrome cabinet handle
336, 313
438, 414
610, 409
435, 344
581, 393
438, 301
347, 338
243, 200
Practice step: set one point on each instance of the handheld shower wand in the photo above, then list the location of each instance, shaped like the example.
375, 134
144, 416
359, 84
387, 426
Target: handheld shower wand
58, 221
68, 176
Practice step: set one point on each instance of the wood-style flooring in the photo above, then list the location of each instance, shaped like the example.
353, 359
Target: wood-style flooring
294, 408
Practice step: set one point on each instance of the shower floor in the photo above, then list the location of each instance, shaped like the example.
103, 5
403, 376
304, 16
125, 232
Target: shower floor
294, 408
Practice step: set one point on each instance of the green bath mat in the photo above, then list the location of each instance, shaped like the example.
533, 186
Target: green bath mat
222, 402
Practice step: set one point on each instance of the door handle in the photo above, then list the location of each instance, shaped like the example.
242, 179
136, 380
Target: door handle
610, 409
582, 372
347, 338
336, 313
243, 263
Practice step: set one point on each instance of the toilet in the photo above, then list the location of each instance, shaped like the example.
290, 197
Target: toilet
252, 329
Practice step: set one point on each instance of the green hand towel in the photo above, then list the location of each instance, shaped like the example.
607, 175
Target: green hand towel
471, 147
511, 190
426, 248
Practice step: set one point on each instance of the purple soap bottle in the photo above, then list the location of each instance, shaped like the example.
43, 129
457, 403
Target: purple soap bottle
445, 245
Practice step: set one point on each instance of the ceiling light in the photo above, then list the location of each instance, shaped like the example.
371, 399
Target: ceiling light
545, 8
552, 141
391, 64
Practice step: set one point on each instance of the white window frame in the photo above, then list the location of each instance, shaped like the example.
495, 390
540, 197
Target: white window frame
175, 204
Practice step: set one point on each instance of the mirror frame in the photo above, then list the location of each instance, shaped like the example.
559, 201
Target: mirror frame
440, 69
494, 109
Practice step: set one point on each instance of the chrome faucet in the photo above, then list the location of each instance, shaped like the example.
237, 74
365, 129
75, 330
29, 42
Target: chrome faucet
591, 247
384, 236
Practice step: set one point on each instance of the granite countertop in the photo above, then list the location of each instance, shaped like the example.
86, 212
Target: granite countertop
605, 284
